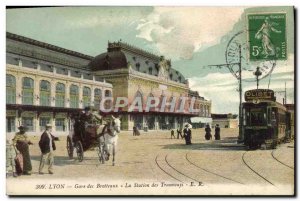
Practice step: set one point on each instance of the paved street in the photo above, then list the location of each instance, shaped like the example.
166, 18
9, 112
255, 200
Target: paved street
154, 157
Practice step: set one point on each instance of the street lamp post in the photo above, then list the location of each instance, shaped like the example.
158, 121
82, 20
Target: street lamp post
257, 73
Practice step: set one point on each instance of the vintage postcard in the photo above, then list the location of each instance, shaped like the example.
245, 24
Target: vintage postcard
156, 101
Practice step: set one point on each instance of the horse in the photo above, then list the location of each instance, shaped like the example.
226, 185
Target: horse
109, 138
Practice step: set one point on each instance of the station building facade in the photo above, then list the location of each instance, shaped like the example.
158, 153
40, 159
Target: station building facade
47, 83
133, 73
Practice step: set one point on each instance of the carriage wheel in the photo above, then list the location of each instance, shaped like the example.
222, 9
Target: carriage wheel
70, 147
79, 150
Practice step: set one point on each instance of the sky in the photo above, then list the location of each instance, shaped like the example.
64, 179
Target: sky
192, 37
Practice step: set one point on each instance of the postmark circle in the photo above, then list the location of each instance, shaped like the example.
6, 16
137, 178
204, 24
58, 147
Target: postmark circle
233, 58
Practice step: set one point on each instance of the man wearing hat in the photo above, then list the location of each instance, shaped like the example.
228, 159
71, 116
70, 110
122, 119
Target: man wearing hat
87, 118
47, 146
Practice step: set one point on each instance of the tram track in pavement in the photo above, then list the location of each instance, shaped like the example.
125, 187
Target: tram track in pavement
272, 153
178, 172
254, 171
213, 173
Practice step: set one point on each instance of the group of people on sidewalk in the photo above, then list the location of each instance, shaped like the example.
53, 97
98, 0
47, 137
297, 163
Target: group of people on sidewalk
208, 135
187, 133
18, 158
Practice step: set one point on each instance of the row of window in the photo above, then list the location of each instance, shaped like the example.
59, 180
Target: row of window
150, 72
204, 109
60, 124
45, 93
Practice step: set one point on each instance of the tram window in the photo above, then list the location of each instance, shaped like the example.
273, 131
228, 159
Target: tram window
269, 115
258, 117
247, 118
244, 119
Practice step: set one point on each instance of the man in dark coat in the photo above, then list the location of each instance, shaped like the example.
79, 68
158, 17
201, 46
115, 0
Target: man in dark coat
208, 132
217, 132
187, 134
47, 146
87, 118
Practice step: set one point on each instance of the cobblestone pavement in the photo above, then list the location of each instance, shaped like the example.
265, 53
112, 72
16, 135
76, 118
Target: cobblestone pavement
154, 157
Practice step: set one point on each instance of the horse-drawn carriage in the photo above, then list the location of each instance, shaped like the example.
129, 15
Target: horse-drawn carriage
86, 134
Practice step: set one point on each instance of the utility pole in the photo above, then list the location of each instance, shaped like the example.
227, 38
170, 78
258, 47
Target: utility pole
285, 92
241, 119
239, 77
285, 96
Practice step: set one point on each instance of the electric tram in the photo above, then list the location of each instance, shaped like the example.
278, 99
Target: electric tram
265, 120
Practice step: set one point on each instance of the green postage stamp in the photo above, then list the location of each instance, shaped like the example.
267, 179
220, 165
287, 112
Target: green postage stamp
267, 36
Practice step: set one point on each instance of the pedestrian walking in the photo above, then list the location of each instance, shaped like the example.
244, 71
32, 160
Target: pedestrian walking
21, 142
187, 132
172, 134
208, 135
47, 146
179, 132
217, 132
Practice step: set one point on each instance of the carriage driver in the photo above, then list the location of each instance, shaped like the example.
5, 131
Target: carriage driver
91, 116
88, 117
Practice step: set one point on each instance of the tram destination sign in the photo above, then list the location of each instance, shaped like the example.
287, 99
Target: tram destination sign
259, 94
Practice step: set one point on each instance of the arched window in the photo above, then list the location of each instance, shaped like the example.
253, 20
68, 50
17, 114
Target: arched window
137, 65
150, 71
161, 99
107, 93
27, 91
45, 93
179, 78
107, 103
171, 76
74, 96
208, 111
97, 98
151, 102
201, 110
179, 107
171, 105
86, 96
10, 89
60, 95
139, 94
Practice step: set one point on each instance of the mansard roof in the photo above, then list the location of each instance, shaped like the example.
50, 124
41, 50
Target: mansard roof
46, 46
109, 61
120, 54
117, 46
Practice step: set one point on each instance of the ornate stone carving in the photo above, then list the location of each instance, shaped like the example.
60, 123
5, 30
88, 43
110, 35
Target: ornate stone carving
164, 67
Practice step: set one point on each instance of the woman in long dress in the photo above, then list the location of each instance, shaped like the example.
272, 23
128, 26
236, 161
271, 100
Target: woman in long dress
22, 143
